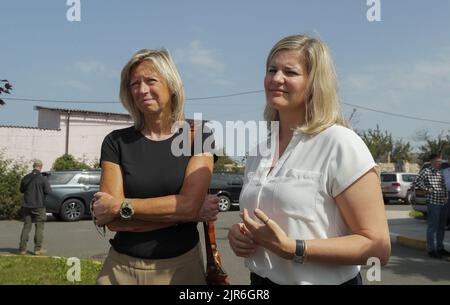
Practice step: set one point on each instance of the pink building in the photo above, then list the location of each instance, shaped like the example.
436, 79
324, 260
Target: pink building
60, 131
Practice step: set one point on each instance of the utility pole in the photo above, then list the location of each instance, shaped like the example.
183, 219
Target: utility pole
67, 132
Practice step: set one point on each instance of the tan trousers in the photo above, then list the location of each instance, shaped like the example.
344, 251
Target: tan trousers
121, 269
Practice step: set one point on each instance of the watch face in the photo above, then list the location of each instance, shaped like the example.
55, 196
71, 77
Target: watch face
126, 211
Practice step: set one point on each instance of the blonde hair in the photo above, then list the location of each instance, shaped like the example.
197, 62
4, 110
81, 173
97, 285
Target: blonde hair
321, 99
164, 65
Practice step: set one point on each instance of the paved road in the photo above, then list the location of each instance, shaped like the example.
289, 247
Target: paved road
80, 239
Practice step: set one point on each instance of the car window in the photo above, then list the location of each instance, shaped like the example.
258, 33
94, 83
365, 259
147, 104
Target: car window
60, 178
409, 178
94, 179
388, 177
237, 180
84, 179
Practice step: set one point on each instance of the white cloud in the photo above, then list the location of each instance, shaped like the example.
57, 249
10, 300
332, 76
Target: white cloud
93, 67
418, 88
203, 63
77, 85
401, 83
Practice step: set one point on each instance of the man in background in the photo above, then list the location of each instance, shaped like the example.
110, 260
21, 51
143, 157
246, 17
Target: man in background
35, 187
431, 180
446, 174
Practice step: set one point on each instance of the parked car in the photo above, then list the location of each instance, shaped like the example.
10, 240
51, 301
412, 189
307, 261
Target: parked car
72, 192
228, 187
418, 195
395, 185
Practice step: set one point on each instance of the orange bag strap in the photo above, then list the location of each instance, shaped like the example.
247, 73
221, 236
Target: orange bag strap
212, 255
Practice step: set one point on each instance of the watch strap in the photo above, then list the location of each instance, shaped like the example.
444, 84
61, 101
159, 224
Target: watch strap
299, 251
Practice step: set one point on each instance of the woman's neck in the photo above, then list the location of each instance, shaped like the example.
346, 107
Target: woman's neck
157, 127
289, 122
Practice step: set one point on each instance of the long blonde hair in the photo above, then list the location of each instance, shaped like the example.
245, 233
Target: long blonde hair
322, 101
164, 65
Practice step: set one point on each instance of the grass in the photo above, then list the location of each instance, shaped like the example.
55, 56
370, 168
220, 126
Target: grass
44, 270
417, 214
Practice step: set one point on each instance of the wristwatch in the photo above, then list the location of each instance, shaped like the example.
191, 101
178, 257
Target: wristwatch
126, 209
299, 251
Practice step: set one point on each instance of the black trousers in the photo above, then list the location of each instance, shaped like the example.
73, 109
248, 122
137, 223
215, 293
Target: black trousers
257, 280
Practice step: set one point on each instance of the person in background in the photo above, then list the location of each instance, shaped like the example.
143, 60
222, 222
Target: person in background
34, 187
432, 181
313, 211
446, 174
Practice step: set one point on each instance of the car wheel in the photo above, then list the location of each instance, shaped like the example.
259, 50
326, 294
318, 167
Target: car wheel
224, 203
72, 210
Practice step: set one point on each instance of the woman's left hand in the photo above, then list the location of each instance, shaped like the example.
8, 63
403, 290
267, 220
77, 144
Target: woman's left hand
105, 208
269, 234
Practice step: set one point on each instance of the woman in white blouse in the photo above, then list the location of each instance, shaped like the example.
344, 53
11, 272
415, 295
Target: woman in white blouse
316, 212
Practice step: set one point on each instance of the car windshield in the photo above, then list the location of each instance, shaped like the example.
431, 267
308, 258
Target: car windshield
59, 178
388, 177
409, 178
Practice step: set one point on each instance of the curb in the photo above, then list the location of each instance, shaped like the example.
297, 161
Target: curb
411, 242
6, 254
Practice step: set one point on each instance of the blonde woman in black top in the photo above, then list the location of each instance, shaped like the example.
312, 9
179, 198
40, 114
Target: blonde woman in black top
150, 195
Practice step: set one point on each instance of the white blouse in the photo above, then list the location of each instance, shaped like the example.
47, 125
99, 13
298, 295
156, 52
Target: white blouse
298, 194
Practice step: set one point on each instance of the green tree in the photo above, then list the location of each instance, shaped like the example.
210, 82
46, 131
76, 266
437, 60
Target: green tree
401, 151
439, 145
225, 163
96, 163
11, 172
68, 162
5, 87
380, 143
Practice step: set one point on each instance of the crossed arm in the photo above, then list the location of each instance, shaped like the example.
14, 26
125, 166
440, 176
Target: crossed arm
160, 212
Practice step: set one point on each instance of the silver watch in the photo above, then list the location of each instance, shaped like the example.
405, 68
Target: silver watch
126, 210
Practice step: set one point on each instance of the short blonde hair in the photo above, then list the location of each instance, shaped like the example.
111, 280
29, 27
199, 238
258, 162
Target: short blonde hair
322, 101
164, 65
37, 163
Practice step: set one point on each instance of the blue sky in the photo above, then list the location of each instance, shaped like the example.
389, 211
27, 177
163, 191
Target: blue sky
400, 64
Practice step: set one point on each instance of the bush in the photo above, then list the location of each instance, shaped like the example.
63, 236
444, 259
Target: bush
68, 162
11, 172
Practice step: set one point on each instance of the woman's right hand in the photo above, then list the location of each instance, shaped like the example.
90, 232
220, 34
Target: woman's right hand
241, 241
209, 209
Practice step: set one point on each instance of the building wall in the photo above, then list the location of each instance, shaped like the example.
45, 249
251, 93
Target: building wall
86, 134
26, 144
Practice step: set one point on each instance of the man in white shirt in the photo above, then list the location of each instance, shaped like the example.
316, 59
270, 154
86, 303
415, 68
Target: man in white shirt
446, 174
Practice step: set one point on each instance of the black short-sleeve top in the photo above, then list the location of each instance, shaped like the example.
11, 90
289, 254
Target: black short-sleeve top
151, 169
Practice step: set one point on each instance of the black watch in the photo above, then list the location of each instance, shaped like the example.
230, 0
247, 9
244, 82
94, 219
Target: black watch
299, 251
126, 210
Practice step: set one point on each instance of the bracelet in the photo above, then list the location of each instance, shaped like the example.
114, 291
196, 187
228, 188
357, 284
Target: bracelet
305, 250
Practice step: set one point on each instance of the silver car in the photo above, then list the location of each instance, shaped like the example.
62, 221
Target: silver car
395, 185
